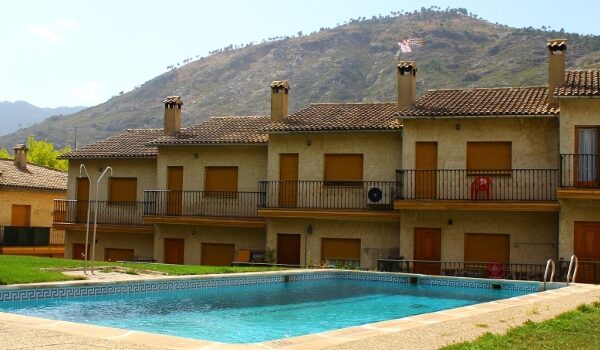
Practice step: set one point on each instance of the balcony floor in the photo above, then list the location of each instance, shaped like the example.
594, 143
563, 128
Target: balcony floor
205, 220
338, 214
477, 205
578, 193
105, 228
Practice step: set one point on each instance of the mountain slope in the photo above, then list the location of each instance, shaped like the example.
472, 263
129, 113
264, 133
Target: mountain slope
21, 114
354, 62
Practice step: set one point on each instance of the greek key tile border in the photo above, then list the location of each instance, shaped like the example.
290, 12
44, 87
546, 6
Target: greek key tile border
172, 285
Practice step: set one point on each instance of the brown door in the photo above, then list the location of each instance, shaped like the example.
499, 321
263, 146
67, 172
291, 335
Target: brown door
217, 254
21, 215
116, 254
288, 249
79, 251
587, 248
288, 175
426, 167
174, 250
83, 197
428, 244
175, 186
586, 158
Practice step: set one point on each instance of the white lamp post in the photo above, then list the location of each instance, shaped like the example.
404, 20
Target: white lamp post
82, 168
96, 215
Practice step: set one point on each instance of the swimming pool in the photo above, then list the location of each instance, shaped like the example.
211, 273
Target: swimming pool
245, 309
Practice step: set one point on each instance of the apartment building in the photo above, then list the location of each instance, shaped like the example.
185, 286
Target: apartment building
506, 175
27, 192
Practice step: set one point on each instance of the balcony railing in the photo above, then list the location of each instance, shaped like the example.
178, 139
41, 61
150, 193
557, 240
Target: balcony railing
358, 195
202, 203
579, 170
488, 185
109, 213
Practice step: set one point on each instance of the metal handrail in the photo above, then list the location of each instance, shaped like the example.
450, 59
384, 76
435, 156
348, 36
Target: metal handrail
549, 263
573, 263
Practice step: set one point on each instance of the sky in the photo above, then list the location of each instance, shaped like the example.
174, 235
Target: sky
82, 52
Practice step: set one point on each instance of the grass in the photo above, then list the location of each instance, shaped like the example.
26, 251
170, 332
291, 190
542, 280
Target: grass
28, 269
577, 329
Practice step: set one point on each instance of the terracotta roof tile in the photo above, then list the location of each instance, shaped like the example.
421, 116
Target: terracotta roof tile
340, 116
131, 144
34, 176
580, 83
220, 130
511, 101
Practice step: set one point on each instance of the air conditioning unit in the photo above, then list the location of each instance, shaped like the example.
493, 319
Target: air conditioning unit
379, 198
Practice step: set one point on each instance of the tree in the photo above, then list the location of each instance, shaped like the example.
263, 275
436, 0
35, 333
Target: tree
4, 153
43, 153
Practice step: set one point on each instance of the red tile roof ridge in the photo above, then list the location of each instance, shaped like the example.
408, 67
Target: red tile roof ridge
491, 88
351, 103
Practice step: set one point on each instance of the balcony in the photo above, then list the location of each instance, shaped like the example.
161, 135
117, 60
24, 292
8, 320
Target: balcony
68, 213
461, 189
579, 176
203, 207
328, 199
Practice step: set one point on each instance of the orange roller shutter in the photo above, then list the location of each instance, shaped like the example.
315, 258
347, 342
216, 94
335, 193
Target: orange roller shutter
489, 155
340, 248
221, 179
343, 167
123, 189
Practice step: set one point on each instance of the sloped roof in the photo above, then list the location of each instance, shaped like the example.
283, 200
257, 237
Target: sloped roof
220, 130
35, 176
508, 101
580, 83
130, 144
340, 116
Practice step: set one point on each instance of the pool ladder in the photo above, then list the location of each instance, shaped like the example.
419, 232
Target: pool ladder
549, 264
572, 271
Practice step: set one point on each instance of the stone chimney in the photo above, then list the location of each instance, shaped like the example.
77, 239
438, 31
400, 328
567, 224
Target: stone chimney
407, 83
279, 100
21, 156
172, 115
557, 54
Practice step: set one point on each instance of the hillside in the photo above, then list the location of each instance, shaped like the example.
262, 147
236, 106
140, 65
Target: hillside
21, 114
354, 62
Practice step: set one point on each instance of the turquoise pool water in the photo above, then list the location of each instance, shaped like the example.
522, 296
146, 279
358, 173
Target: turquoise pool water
244, 314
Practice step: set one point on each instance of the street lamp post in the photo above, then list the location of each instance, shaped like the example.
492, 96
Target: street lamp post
96, 215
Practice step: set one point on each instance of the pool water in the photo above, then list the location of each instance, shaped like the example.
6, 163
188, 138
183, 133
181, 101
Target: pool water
258, 313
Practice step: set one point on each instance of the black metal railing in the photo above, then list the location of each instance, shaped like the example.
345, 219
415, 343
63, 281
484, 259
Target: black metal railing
374, 195
493, 185
202, 203
16, 236
579, 170
109, 213
524, 272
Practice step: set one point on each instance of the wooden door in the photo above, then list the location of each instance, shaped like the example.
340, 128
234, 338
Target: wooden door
83, 198
426, 170
288, 176
586, 158
427, 247
288, 249
117, 254
217, 254
175, 186
587, 249
21, 215
79, 251
174, 250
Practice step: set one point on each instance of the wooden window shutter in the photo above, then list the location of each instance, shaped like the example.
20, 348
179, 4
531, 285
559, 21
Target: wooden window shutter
489, 156
340, 248
221, 179
122, 189
487, 247
343, 167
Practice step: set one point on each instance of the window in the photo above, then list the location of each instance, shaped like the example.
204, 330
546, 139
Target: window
221, 179
488, 156
343, 169
341, 251
586, 161
122, 189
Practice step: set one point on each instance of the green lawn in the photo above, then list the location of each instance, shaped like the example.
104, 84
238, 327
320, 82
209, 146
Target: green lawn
27, 269
576, 329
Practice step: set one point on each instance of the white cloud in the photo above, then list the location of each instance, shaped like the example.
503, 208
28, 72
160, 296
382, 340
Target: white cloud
54, 32
90, 92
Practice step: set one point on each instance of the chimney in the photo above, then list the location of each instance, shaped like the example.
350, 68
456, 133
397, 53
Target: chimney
279, 100
21, 156
407, 83
172, 115
557, 52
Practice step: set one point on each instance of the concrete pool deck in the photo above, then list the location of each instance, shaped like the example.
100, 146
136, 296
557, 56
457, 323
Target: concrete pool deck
427, 331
